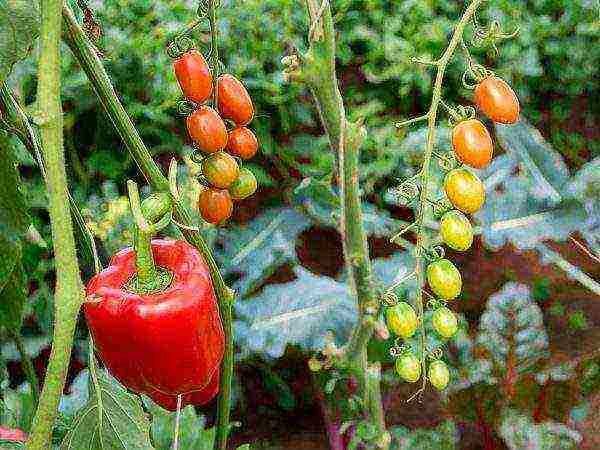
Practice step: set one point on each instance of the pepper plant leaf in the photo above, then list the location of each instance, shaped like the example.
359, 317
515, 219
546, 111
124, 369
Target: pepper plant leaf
112, 419
19, 27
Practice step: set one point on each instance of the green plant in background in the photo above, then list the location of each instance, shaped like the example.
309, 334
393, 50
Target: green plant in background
534, 194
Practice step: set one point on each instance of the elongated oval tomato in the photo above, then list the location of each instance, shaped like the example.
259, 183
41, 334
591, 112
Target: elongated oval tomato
242, 142
444, 279
215, 205
444, 322
465, 190
220, 169
244, 185
408, 367
456, 231
193, 76
402, 319
233, 100
439, 375
497, 100
207, 129
472, 143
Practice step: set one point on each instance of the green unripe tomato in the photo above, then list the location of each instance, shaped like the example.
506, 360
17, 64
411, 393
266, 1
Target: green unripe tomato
456, 230
408, 367
444, 322
402, 319
244, 185
439, 375
444, 279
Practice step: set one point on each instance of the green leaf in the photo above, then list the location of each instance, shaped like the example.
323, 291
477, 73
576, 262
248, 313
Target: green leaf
300, 313
14, 219
192, 431
547, 171
13, 298
113, 419
19, 26
443, 437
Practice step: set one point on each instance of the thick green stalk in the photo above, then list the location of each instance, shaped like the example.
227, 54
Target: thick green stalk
68, 295
94, 69
345, 140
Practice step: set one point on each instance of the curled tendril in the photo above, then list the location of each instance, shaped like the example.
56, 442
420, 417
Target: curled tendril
436, 353
186, 107
407, 191
399, 348
434, 253
389, 298
179, 45
197, 156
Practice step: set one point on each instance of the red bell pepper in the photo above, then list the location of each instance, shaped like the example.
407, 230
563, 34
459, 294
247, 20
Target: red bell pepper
161, 344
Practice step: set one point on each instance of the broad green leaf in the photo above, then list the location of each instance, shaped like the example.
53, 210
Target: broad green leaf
19, 27
18, 407
13, 210
192, 431
13, 298
301, 312
443, 437
112, 419
546, 169
519, 431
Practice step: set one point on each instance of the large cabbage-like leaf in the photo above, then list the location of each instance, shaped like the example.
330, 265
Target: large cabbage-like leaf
520, 432
301, 313
548, 172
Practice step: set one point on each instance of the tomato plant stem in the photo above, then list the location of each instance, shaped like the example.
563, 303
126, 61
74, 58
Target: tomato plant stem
424, 208
68, 295
88, 59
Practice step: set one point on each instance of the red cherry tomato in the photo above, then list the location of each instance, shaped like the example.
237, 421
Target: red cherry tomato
207, 129
193, 75
233, 100
215, 205
472, 143
242, 142
169, 342
220, 169
497, 100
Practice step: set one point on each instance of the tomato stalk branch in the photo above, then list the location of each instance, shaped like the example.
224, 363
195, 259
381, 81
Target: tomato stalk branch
424, 208
345, 140
86, 55
68, 295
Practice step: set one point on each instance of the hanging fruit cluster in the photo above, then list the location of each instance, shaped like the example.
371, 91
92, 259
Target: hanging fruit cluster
472, 147
220, 149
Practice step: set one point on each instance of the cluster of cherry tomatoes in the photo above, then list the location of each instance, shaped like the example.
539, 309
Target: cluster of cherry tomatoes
472, 145
223, 148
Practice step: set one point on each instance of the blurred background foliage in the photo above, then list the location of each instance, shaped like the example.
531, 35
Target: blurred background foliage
526, 326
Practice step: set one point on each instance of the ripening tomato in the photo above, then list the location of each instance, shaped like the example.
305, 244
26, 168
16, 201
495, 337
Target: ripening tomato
207, 129
242, 142
408, 367
220, 169
472, 143
193, 75
215, 205
456, 230
402, 319
439, 375
244, 185
464, 189
497, 100
233, 100
444, 279
444, 322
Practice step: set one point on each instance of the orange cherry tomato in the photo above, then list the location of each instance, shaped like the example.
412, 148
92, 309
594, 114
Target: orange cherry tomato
497, 100
464, 190
472, 143
220, 169
215, 205
193, 75
207, 129
233, 100
242, 142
